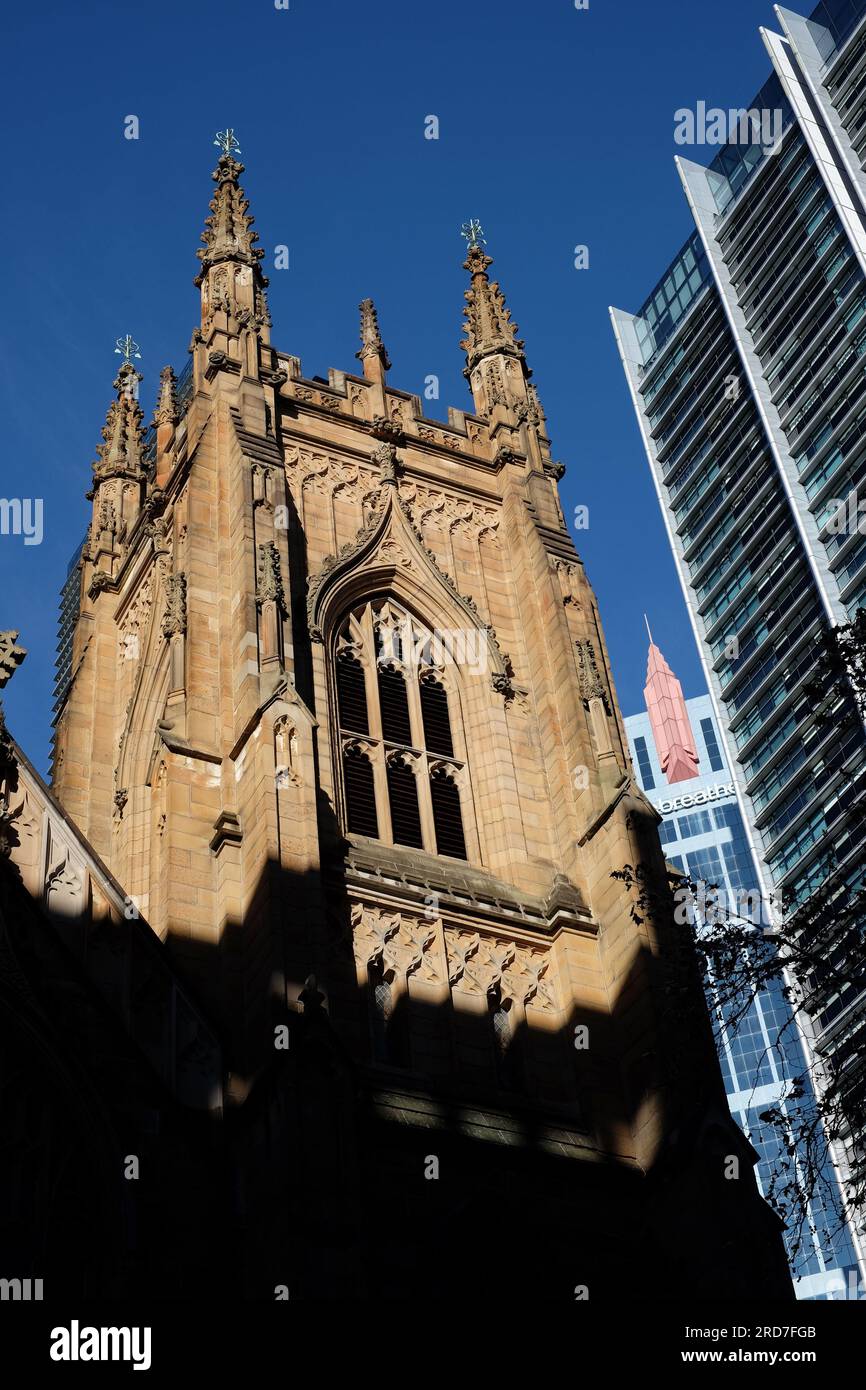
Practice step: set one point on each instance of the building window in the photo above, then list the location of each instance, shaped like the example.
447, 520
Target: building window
668, 832
644, 764
506, 1049
403, 759
388, 1034
712, 746
697, 824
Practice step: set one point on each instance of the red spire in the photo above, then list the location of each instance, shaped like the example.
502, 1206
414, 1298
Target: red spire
672, 731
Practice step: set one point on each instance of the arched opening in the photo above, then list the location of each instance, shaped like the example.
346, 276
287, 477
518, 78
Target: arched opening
403, 778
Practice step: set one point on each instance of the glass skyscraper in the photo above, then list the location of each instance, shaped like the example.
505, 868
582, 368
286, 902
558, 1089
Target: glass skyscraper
747, 369
703, 835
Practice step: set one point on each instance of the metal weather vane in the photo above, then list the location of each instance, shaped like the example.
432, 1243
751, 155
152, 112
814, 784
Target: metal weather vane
226, 141
127, 348
473, 232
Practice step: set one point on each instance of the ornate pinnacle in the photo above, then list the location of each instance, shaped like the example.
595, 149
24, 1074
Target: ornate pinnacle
371, 339
488, 325
122, 433
166, 405
228, 234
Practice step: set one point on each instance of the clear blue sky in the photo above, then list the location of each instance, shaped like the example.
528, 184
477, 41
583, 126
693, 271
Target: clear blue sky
556, 129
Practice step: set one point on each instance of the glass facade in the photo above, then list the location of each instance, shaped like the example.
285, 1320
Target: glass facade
762, 1054
751, 401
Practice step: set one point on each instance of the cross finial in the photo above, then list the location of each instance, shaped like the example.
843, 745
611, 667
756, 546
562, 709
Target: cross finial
473, 232
226, 141
127, 347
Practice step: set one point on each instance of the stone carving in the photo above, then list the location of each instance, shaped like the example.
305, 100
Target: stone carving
135, 623
174, 618
101, 580
592, 687
449, 512
569, 576
64, 883
371, 337
396, 944
270, 585
385, 458
483, 965
286, 753
493, 387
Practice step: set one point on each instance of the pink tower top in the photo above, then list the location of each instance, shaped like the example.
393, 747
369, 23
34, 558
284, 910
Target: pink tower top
672, 731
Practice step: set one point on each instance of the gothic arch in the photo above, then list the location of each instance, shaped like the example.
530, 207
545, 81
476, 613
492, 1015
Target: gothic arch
388, 556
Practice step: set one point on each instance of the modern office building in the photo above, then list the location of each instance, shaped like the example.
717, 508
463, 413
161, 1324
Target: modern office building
679, 758
747, 368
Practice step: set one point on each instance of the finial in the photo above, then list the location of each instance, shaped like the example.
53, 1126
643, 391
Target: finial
225, 140
373, 354
166, 405
127, 348
649, 634
473, 233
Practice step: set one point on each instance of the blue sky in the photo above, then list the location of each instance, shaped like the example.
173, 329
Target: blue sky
556, 129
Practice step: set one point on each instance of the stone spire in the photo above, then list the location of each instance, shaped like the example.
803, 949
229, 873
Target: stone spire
228, 234
166, 405
118, 463
230, 279
488, 327
495, 363
119, 454
373, 354
165, 417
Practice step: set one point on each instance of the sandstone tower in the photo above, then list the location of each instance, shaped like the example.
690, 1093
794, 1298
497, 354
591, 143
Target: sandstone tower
341, 723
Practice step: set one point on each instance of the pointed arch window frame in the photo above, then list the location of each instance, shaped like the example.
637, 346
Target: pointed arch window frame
360, 622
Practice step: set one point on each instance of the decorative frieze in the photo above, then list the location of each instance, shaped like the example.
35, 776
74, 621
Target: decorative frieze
484, 966
397, 944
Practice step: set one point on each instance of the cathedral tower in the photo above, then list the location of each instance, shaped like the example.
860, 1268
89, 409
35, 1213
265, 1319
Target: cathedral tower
342, 723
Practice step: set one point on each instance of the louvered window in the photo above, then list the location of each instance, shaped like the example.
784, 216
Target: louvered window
447, 820
352, 695
403, 760
403, 800
360, 786
437, 725
394, 706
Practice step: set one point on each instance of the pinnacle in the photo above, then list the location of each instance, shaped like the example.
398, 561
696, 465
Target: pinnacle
228, 234
488, 328
371, 338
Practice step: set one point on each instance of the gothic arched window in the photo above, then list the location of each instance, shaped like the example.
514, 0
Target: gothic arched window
401, 747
